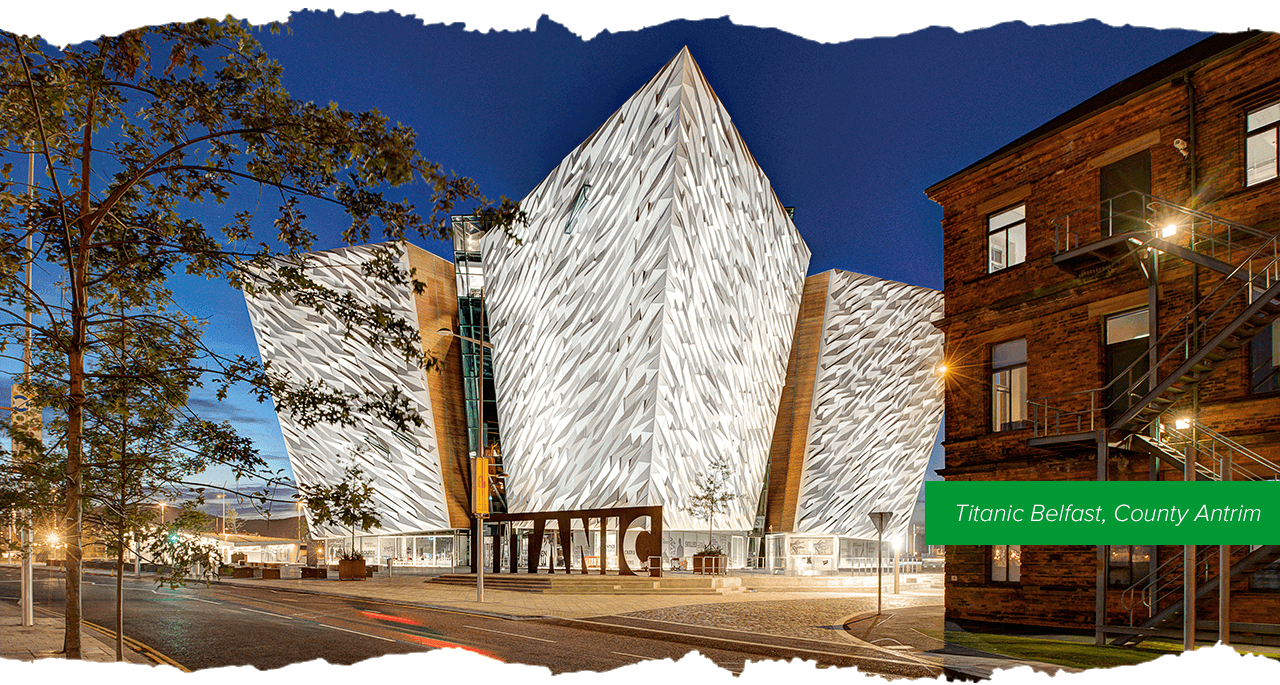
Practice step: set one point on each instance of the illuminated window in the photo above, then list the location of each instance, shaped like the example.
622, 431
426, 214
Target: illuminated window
1006, 563
1009, 385
1129, 564
1260, 144
1006, 238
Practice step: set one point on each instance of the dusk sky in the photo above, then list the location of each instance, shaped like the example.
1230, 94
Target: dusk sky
850, 133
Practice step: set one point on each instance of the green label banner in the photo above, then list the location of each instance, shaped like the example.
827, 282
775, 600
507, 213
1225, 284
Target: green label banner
1102, 513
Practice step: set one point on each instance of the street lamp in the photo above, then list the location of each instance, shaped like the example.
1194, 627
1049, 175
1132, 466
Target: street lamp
477, 548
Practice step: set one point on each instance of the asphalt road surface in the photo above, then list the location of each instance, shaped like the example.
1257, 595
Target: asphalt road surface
207, 627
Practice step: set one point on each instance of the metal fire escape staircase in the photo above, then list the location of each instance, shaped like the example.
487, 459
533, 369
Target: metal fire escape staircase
1222, 321
1218, 324
1155, 604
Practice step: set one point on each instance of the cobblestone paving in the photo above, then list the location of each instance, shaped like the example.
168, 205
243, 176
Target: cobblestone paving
815, 619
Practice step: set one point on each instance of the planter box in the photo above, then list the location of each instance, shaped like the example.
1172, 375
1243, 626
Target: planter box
354, 569
242, 572
710, 564
271, 574
310, 572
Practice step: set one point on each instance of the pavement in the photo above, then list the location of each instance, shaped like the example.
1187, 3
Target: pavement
845, 617
44, 640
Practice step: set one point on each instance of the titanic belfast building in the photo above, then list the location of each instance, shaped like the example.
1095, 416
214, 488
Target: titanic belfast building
651, 320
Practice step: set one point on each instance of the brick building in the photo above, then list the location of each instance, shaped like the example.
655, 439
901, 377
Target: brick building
1134, 232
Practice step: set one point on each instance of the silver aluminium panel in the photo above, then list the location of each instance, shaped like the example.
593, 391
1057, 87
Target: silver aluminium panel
308, 345
642, 325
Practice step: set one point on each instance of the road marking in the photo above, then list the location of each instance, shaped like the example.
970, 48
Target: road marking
503, 632
206, 601
283, 599
267, 613
376, 637
637, 656
147, 651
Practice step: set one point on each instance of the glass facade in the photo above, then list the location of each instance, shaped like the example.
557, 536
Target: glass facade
477, 361
817, 555
427, 551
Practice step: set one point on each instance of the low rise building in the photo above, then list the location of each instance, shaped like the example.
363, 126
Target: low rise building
1112, 286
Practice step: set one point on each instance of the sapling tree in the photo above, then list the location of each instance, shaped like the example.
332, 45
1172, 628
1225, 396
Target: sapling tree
712, 495
348, 503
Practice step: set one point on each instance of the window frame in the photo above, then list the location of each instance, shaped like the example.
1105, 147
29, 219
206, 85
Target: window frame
1270, 383
1004, 230
1128, 564
1010, 563
1250, 134
1014, 423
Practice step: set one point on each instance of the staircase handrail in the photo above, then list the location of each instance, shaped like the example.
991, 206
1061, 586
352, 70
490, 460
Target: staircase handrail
1165, 581
1192, 331
1234, 448
1062, 238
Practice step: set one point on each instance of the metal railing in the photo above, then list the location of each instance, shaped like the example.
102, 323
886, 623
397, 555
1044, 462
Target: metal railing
1214, 450
1163, 585
1206, 233
1215, 311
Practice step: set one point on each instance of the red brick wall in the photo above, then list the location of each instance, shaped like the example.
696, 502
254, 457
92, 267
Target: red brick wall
1061, 315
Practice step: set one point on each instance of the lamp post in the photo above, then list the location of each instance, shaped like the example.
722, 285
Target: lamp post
477, 548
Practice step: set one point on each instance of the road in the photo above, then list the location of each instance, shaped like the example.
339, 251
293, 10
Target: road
208, 627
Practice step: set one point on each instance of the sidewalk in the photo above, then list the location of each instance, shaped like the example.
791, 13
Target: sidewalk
818, 615
44, 639
843, 617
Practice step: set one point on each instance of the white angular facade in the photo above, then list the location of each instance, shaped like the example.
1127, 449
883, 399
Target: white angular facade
876, 407
313, 346
653, 316
642, 325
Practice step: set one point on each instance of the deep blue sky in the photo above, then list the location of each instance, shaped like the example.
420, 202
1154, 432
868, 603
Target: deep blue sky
850, 133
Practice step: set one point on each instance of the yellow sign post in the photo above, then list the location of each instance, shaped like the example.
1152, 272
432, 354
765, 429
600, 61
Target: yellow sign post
481, 501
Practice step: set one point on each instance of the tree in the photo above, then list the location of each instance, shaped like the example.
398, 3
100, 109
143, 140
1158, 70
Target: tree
712, 496
130, 137
349, 503
179, 549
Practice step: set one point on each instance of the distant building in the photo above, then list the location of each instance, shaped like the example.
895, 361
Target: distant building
1112, 291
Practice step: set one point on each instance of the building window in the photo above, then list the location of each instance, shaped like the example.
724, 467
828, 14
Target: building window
1129, 564
1009, 385
1127, 341
1006, 563
1264, 354
1260, 144
1007, 238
